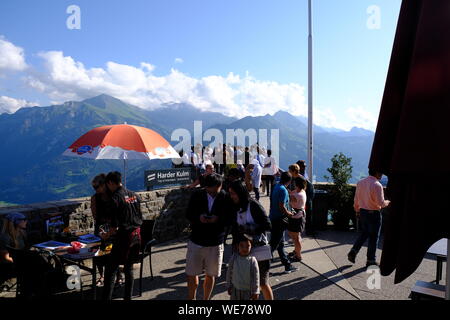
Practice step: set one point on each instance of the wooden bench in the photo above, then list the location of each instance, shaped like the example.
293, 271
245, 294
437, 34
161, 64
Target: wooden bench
427, 291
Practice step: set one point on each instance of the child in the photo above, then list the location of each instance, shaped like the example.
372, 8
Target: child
243, 272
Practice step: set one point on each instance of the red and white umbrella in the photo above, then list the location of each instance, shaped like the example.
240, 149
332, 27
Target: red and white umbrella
123, 142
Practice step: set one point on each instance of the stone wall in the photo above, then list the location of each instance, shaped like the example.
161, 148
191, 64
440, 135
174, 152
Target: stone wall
166, 207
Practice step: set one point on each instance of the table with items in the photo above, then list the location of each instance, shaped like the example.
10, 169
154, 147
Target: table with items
76, 253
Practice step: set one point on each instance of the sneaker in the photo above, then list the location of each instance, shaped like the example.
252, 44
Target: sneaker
371, 263
351, 256
289, 268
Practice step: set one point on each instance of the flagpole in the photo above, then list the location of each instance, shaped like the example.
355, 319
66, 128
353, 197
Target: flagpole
310, 93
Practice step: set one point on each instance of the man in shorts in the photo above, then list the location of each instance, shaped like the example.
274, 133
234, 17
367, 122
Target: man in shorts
207, 214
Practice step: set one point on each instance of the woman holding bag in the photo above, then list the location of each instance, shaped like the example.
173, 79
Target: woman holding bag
250, 218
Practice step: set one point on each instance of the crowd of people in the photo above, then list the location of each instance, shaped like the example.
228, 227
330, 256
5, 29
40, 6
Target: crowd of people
226, 157
230, 204
220, 205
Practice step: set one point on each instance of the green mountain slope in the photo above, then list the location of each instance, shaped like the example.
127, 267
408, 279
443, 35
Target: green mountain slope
293, 143
33, 139
32, 168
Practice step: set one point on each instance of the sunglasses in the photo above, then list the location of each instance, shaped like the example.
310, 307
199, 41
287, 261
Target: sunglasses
96, 187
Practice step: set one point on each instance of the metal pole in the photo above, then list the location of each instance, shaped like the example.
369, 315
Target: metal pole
310, 93
125, 173
447, 275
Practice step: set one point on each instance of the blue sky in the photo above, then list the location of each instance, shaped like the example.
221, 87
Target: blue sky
240, 57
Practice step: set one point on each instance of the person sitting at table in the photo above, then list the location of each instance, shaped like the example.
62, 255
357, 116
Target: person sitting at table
12, 235
101, 208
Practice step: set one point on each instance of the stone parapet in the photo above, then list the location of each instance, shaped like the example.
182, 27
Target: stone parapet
166, 207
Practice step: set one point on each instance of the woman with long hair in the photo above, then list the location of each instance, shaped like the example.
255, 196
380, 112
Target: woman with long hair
249, 217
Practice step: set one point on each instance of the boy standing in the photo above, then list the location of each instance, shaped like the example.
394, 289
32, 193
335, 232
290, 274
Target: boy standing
243, 273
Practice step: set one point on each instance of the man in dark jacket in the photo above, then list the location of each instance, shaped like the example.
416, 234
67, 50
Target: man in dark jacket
126, 222
208, 217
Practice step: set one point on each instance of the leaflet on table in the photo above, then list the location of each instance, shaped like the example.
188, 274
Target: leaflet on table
51, 245
89, 238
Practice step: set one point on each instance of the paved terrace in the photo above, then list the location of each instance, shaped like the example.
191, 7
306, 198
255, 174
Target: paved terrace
324, 273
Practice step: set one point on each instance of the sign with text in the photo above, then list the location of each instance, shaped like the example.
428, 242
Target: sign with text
168, 177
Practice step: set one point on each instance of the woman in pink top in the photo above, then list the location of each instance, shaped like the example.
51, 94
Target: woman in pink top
297, 222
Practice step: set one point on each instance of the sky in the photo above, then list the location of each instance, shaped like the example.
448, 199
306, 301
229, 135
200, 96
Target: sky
238, 57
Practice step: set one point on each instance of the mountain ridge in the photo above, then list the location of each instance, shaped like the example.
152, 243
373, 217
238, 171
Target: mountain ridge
34, 138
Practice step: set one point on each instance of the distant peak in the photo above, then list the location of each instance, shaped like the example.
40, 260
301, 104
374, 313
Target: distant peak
103, 101
102, 97
282, 112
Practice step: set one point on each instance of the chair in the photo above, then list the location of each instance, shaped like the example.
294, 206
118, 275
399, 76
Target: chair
36, 276
146, 248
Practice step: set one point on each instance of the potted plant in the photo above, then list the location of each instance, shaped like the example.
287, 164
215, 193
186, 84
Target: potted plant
341, 193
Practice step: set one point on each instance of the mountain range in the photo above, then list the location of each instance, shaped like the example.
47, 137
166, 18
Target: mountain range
33, 139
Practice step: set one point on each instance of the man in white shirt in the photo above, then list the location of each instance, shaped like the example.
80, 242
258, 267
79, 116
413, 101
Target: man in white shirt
259, 157
269, 171
256, 177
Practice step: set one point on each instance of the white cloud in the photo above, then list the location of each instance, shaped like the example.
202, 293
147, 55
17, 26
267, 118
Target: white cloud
11, 105
147, 66
362, 118
12, 58
63, 78
327, 119
66, 79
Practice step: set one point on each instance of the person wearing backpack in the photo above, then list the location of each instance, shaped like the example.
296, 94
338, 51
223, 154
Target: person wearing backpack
126, 222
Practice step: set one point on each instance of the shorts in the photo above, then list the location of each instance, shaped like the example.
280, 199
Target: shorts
264, 267
296, 225
206, 260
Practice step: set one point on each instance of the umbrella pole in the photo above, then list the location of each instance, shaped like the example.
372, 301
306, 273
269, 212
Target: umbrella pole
447, 275
125, 172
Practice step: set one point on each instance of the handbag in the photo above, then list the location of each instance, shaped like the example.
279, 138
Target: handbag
284, 222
